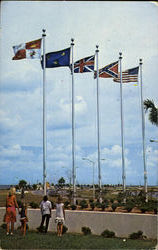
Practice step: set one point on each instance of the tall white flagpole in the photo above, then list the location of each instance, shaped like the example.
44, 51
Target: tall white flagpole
122, 131
44, 113
143, 132
73, 128
98, 123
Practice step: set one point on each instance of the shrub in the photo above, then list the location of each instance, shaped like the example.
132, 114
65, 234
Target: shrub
73, 207
98, 204
106, 201
138, 235
92, 205
119, 200
103, 206
83, 204
152, 206
111, 200
114, 206
144, 208
141, 196
86, 230
91, 200
108, 234
120, 195
129, 205
64, 229
34, 204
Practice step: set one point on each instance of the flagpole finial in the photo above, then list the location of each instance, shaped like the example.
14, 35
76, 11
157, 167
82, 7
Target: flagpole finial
72, 41
140, 61
44, 34
120, 55
97, 46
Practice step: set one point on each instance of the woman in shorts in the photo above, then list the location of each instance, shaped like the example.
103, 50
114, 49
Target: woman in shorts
10, 216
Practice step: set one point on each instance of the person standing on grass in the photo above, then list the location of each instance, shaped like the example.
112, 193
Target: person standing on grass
10, 216
23, 218
60, 216
45, 207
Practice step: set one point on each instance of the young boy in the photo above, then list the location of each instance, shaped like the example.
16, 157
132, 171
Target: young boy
46, 207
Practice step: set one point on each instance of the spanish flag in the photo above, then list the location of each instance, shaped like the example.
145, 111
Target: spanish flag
30, 50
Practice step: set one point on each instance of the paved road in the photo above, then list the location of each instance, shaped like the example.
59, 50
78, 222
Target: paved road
37, 192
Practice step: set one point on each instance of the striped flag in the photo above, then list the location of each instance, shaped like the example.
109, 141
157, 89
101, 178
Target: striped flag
130, 75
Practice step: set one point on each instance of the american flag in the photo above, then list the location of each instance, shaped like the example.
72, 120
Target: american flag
130, 75
84, 65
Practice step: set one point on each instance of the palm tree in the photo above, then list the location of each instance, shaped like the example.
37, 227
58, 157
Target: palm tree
153, 111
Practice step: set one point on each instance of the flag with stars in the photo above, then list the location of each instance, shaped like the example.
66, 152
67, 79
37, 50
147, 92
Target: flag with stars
30, 50
130, 75
84, 65
111, 70
57, 59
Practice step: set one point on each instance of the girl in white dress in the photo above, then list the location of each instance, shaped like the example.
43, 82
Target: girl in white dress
60, 216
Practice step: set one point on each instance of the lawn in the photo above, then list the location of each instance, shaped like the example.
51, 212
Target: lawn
35, 240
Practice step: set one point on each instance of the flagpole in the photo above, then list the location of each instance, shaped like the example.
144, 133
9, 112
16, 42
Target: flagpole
98, 123
122, 131
44, 114
73, 129
143, 132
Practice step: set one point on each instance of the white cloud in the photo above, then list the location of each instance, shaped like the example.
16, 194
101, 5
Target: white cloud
114, 151
15, 151
80, 105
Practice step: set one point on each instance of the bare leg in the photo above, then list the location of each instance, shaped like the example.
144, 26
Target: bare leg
12, 227
58, 229
7, 227
61, 229
24, 227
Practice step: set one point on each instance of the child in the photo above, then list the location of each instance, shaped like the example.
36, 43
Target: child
23, 218
60, 216
46, 207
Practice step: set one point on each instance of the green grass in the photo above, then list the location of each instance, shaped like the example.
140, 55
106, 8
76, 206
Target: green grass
35, 240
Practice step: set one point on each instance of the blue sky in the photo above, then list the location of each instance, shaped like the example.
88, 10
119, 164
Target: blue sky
127, 26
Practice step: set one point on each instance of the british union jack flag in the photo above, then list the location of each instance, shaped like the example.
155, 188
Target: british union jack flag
84, 65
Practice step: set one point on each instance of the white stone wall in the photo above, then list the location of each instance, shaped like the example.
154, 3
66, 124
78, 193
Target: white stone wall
122, 224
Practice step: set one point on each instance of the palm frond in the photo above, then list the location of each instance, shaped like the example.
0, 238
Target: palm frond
153, 111
149, 104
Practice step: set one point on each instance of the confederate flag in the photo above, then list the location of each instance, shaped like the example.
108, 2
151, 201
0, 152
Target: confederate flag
111, 70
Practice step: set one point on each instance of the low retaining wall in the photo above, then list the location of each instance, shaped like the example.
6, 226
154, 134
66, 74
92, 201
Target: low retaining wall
122, 224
